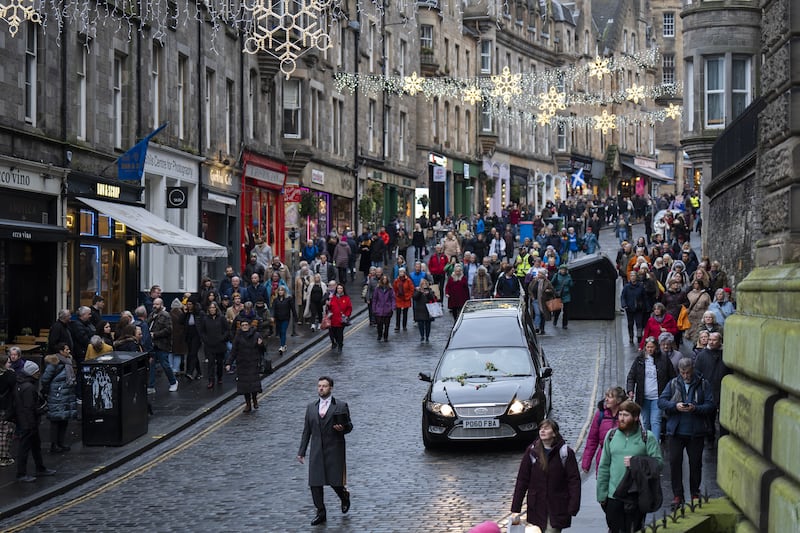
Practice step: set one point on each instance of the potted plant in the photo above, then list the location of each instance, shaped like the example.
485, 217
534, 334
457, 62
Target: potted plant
309, 204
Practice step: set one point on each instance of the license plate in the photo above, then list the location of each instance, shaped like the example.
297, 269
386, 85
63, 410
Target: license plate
481, 423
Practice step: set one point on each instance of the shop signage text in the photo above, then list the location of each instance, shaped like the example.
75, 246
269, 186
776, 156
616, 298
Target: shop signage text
317, 176
14, 178
171, 166
644, 162
436, 159
109, 191
220, 178
439, 174
264, 174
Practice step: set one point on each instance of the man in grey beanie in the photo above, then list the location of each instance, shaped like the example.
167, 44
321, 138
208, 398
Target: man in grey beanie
27, 404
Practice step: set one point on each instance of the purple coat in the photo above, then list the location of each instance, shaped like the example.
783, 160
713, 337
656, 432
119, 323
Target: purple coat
383, 302
597, 435
554, 494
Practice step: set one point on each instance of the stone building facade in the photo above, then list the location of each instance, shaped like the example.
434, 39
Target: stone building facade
753, 205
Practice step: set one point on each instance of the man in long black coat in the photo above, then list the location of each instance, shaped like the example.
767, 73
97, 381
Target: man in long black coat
326, 423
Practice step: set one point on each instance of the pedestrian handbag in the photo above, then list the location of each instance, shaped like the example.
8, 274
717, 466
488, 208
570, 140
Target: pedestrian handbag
434, 309
326, 322
435, 289
683, 319
516, 528
364, 290
345, 320
554, 304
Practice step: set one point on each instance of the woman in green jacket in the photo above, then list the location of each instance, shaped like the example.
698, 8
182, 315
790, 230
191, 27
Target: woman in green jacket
562, 284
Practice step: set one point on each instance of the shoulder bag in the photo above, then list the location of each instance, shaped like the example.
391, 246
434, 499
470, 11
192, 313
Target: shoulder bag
554, 304
683, 319
434, 309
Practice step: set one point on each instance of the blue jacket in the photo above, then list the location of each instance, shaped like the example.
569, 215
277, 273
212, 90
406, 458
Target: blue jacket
699, 393
480, 226
61, 398
253, 293
416, 277
590, 242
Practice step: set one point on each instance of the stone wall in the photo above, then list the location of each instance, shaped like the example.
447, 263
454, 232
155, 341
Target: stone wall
758, 465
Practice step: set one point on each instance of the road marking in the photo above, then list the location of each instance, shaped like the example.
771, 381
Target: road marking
191, 441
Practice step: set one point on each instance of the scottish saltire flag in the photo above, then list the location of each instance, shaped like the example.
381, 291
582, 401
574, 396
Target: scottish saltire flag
577, 179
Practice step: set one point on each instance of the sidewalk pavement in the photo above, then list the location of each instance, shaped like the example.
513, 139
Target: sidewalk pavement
172, 413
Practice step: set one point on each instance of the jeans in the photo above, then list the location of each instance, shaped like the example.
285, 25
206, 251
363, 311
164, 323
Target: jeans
160, 358
651, 417
538, 319
282, 326
424, 329
214, 364
175, 360
337, 335
383, 326
694, 449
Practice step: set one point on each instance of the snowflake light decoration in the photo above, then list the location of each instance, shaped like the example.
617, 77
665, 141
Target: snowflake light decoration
506, 85
286, 29
634, 93
472, 94
413, 84
543, 119
599, 68
552, 101
605, 122
673, 111
15, 12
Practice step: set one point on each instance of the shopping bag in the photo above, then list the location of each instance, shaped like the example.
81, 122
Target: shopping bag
683, 319
434, 309
326, 322
554, 304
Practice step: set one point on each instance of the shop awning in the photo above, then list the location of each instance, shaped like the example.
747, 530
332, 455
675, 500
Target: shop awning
155, 229
652, 172
32, 231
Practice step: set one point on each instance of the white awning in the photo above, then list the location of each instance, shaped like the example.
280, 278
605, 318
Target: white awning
155, 229
652, 172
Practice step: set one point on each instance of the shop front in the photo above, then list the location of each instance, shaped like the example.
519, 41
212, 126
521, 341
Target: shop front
498, 177
334, 189
31, 246
221, 186
172, 193
262, 204
465, 180
113, 232
397, 196
519, 184
640, 177
440, 181
103, 254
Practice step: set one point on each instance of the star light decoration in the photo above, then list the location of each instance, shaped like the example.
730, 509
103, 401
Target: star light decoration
605, 122
15, 12
599, 68
286, 29
673, 111
472, 94
413, 84
635, 93
506, 85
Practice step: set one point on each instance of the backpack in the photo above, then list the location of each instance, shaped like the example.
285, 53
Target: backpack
613, 431
562, 453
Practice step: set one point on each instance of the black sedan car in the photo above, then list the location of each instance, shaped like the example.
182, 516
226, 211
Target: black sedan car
492, 381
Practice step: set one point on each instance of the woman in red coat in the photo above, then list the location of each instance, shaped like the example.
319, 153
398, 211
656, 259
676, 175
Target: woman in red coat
549, 475
403, 291
340, 308
457, 291
659, 322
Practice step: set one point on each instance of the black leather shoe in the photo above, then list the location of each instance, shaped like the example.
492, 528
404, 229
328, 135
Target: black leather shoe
321, 518
346, 502
45, 472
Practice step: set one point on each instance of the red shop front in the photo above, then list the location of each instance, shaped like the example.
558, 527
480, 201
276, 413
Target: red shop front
262, 217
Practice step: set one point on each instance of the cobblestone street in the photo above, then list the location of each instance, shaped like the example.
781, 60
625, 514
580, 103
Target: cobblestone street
238, 472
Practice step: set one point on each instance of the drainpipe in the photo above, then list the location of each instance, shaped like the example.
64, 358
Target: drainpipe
355, 25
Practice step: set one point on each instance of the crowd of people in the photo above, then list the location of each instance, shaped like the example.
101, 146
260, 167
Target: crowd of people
675, 305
